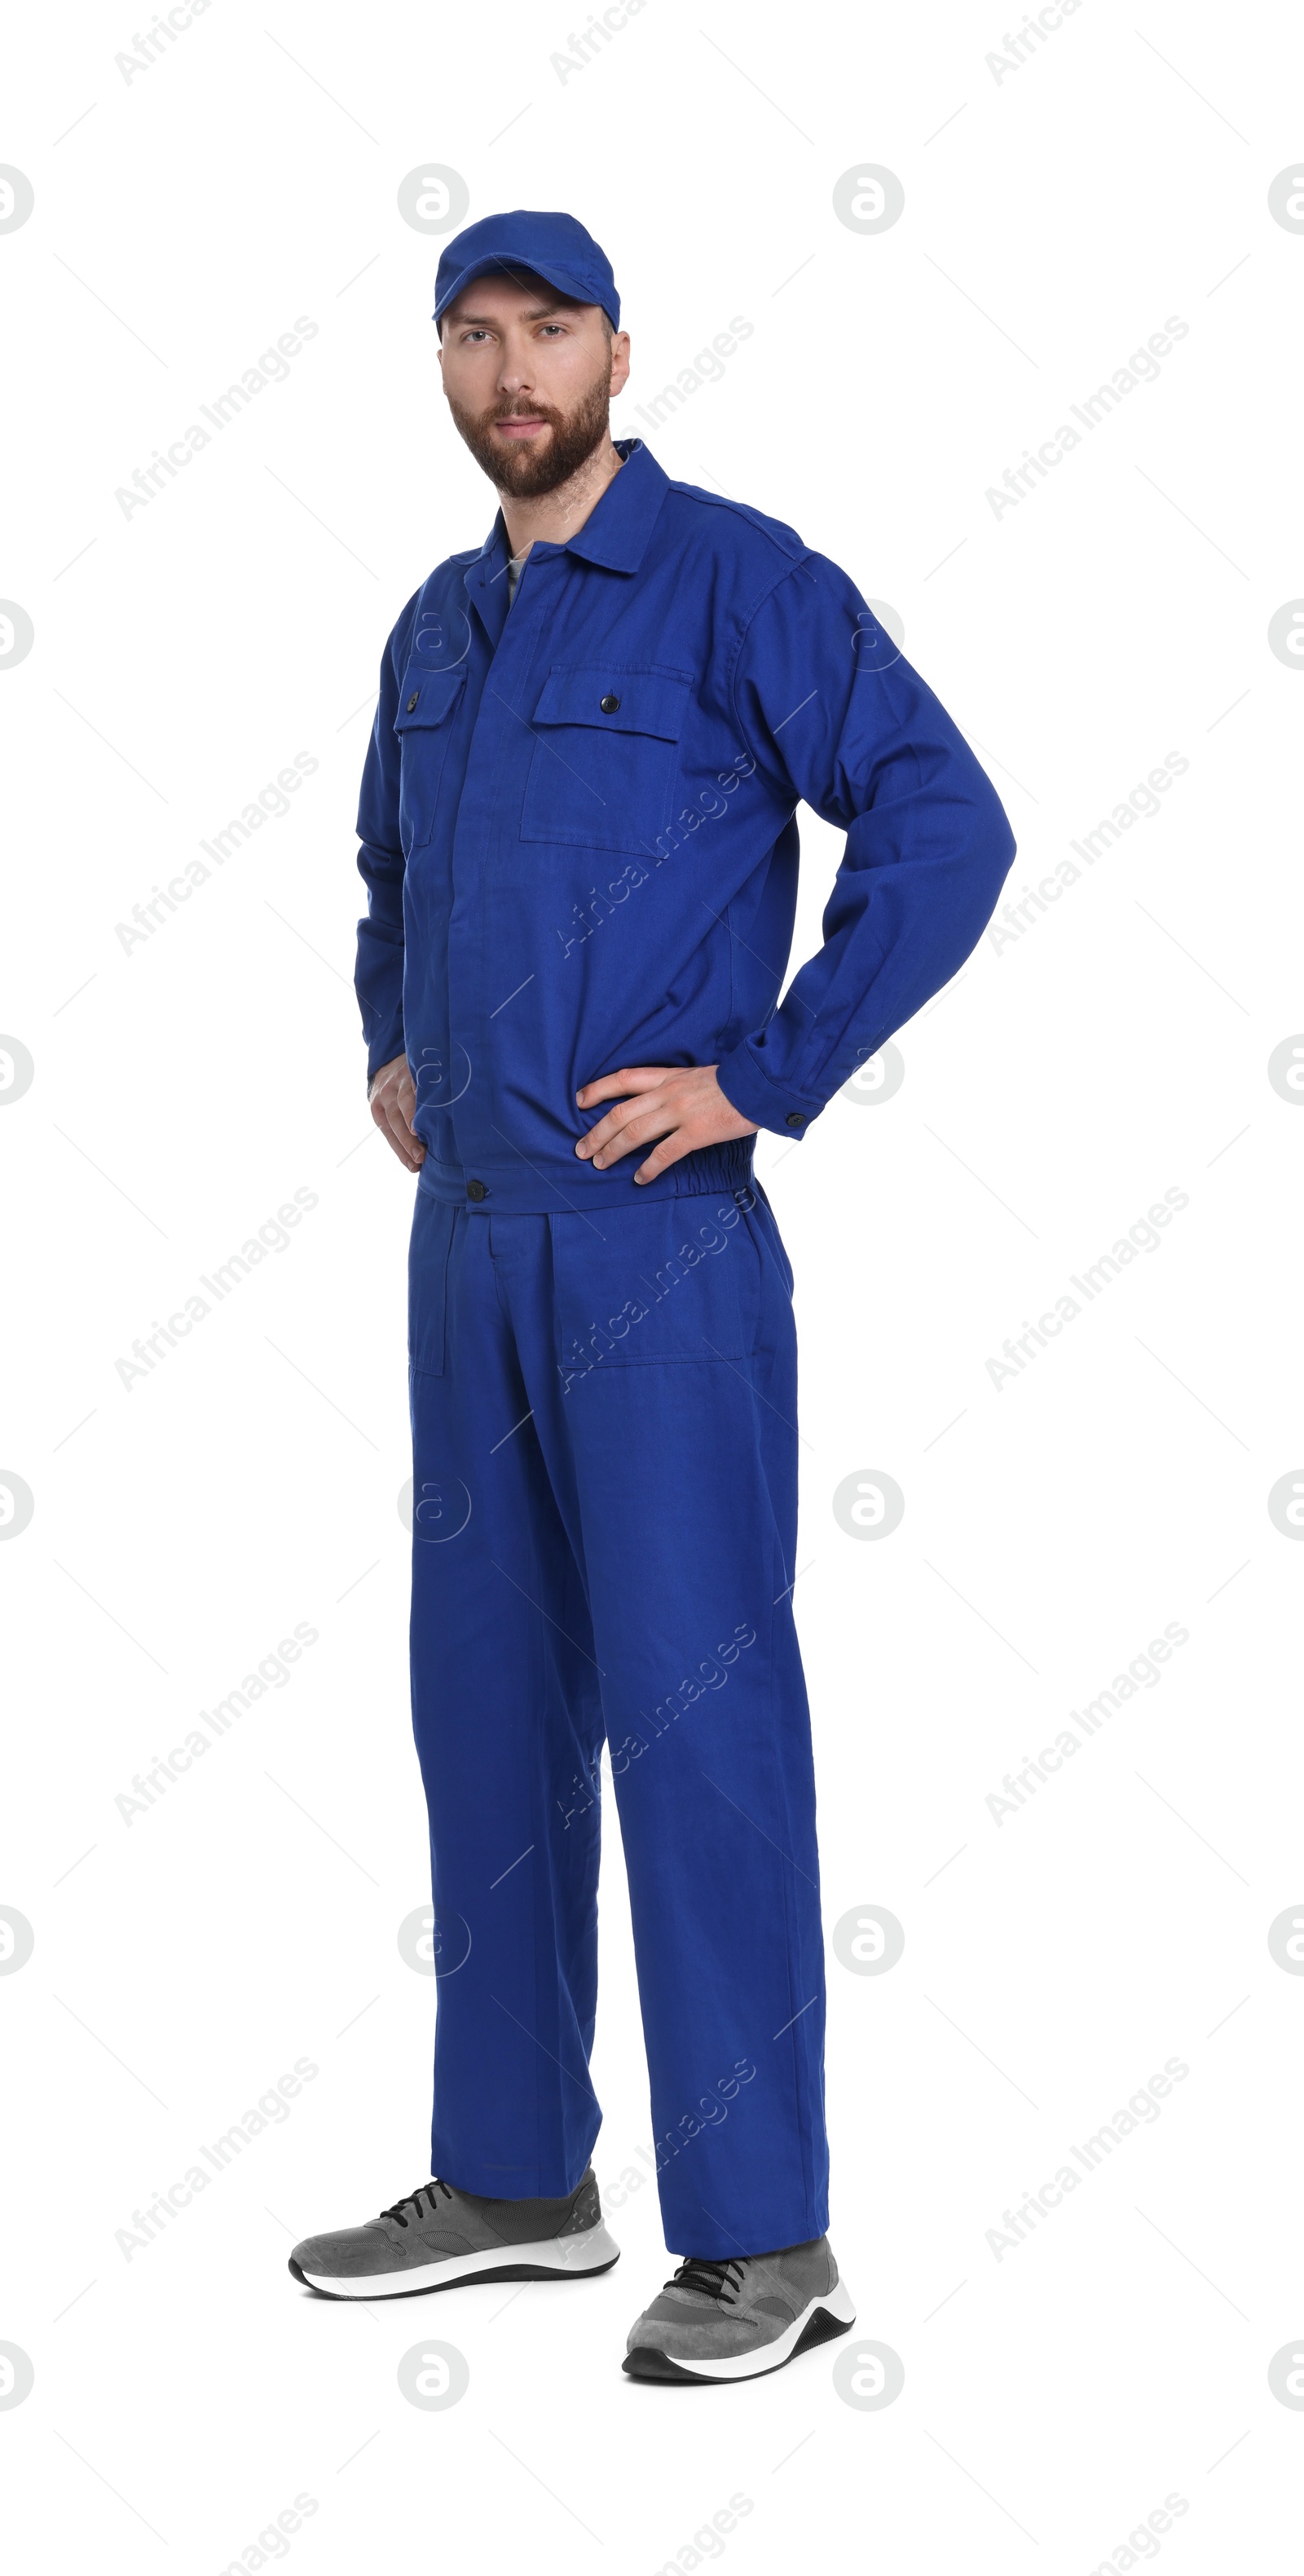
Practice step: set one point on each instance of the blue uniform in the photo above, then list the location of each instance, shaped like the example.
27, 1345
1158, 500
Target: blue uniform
580, 851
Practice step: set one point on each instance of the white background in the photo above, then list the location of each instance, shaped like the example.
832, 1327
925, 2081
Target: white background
1118, 1048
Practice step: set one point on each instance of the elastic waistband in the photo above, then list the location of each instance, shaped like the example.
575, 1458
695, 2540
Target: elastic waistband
575, 1188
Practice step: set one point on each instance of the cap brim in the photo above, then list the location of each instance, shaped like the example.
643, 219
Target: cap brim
504, 264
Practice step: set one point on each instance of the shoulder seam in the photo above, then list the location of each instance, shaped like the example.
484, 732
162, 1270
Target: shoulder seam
758, 519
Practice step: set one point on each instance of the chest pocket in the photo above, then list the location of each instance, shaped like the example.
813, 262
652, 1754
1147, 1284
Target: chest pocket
606, 756
427, 704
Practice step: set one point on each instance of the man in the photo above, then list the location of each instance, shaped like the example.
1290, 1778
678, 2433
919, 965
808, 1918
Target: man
580, 850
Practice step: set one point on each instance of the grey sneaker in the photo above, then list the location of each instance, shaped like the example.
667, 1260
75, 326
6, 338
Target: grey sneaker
437, 2237
735, 2320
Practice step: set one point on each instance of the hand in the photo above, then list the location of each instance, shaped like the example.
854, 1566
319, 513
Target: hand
393, 1099
682, 1105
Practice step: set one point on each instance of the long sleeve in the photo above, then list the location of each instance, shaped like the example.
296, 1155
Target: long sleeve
378, 975
833, 714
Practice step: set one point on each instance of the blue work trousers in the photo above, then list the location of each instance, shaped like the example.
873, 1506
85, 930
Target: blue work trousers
604, 1527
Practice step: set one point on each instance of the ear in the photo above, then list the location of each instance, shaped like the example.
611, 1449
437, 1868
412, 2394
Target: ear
619, 361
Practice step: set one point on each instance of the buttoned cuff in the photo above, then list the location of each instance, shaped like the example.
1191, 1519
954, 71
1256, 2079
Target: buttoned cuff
754, 1096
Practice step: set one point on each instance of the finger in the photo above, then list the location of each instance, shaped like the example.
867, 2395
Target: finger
402, 1112
601, 1141
671, 1149
638, 1077
409, 1162
400, 1098
406, 1145
595, 1137
636, 1133
409, 1149
410, 1158
604, 1134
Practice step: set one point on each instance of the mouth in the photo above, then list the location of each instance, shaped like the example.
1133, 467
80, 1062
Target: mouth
520, 426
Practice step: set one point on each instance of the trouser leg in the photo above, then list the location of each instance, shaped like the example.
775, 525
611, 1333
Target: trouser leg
508, 1722
662, 1375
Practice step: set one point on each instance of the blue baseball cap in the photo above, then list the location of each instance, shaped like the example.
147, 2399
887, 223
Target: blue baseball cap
554, 247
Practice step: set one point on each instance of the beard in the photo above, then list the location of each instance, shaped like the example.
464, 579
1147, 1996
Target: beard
523, 472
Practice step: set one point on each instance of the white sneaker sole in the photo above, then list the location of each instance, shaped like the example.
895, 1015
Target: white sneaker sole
561, 2258
832, 2313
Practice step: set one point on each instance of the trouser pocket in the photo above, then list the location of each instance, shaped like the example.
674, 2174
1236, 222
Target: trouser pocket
676, 1281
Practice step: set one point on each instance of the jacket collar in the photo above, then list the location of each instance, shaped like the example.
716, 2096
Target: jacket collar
616, 532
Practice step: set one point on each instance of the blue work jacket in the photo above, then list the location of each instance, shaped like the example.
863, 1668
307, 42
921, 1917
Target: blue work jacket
580, 847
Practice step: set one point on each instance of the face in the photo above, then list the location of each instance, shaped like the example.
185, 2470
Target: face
529, 380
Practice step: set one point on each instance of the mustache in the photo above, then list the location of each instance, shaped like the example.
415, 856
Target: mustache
522, 411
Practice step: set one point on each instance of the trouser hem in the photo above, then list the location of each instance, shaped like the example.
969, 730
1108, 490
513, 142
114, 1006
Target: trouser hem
509, 2182
768, 2234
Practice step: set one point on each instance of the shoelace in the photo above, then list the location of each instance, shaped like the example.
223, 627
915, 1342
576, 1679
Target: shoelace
720, 2281
412, 2200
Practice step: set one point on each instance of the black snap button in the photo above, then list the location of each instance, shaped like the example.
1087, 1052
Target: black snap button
609, 704
412, 700
795, 1118
476, 1190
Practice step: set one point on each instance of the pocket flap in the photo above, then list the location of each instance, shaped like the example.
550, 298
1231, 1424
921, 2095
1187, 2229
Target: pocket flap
615, 698
427, 697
